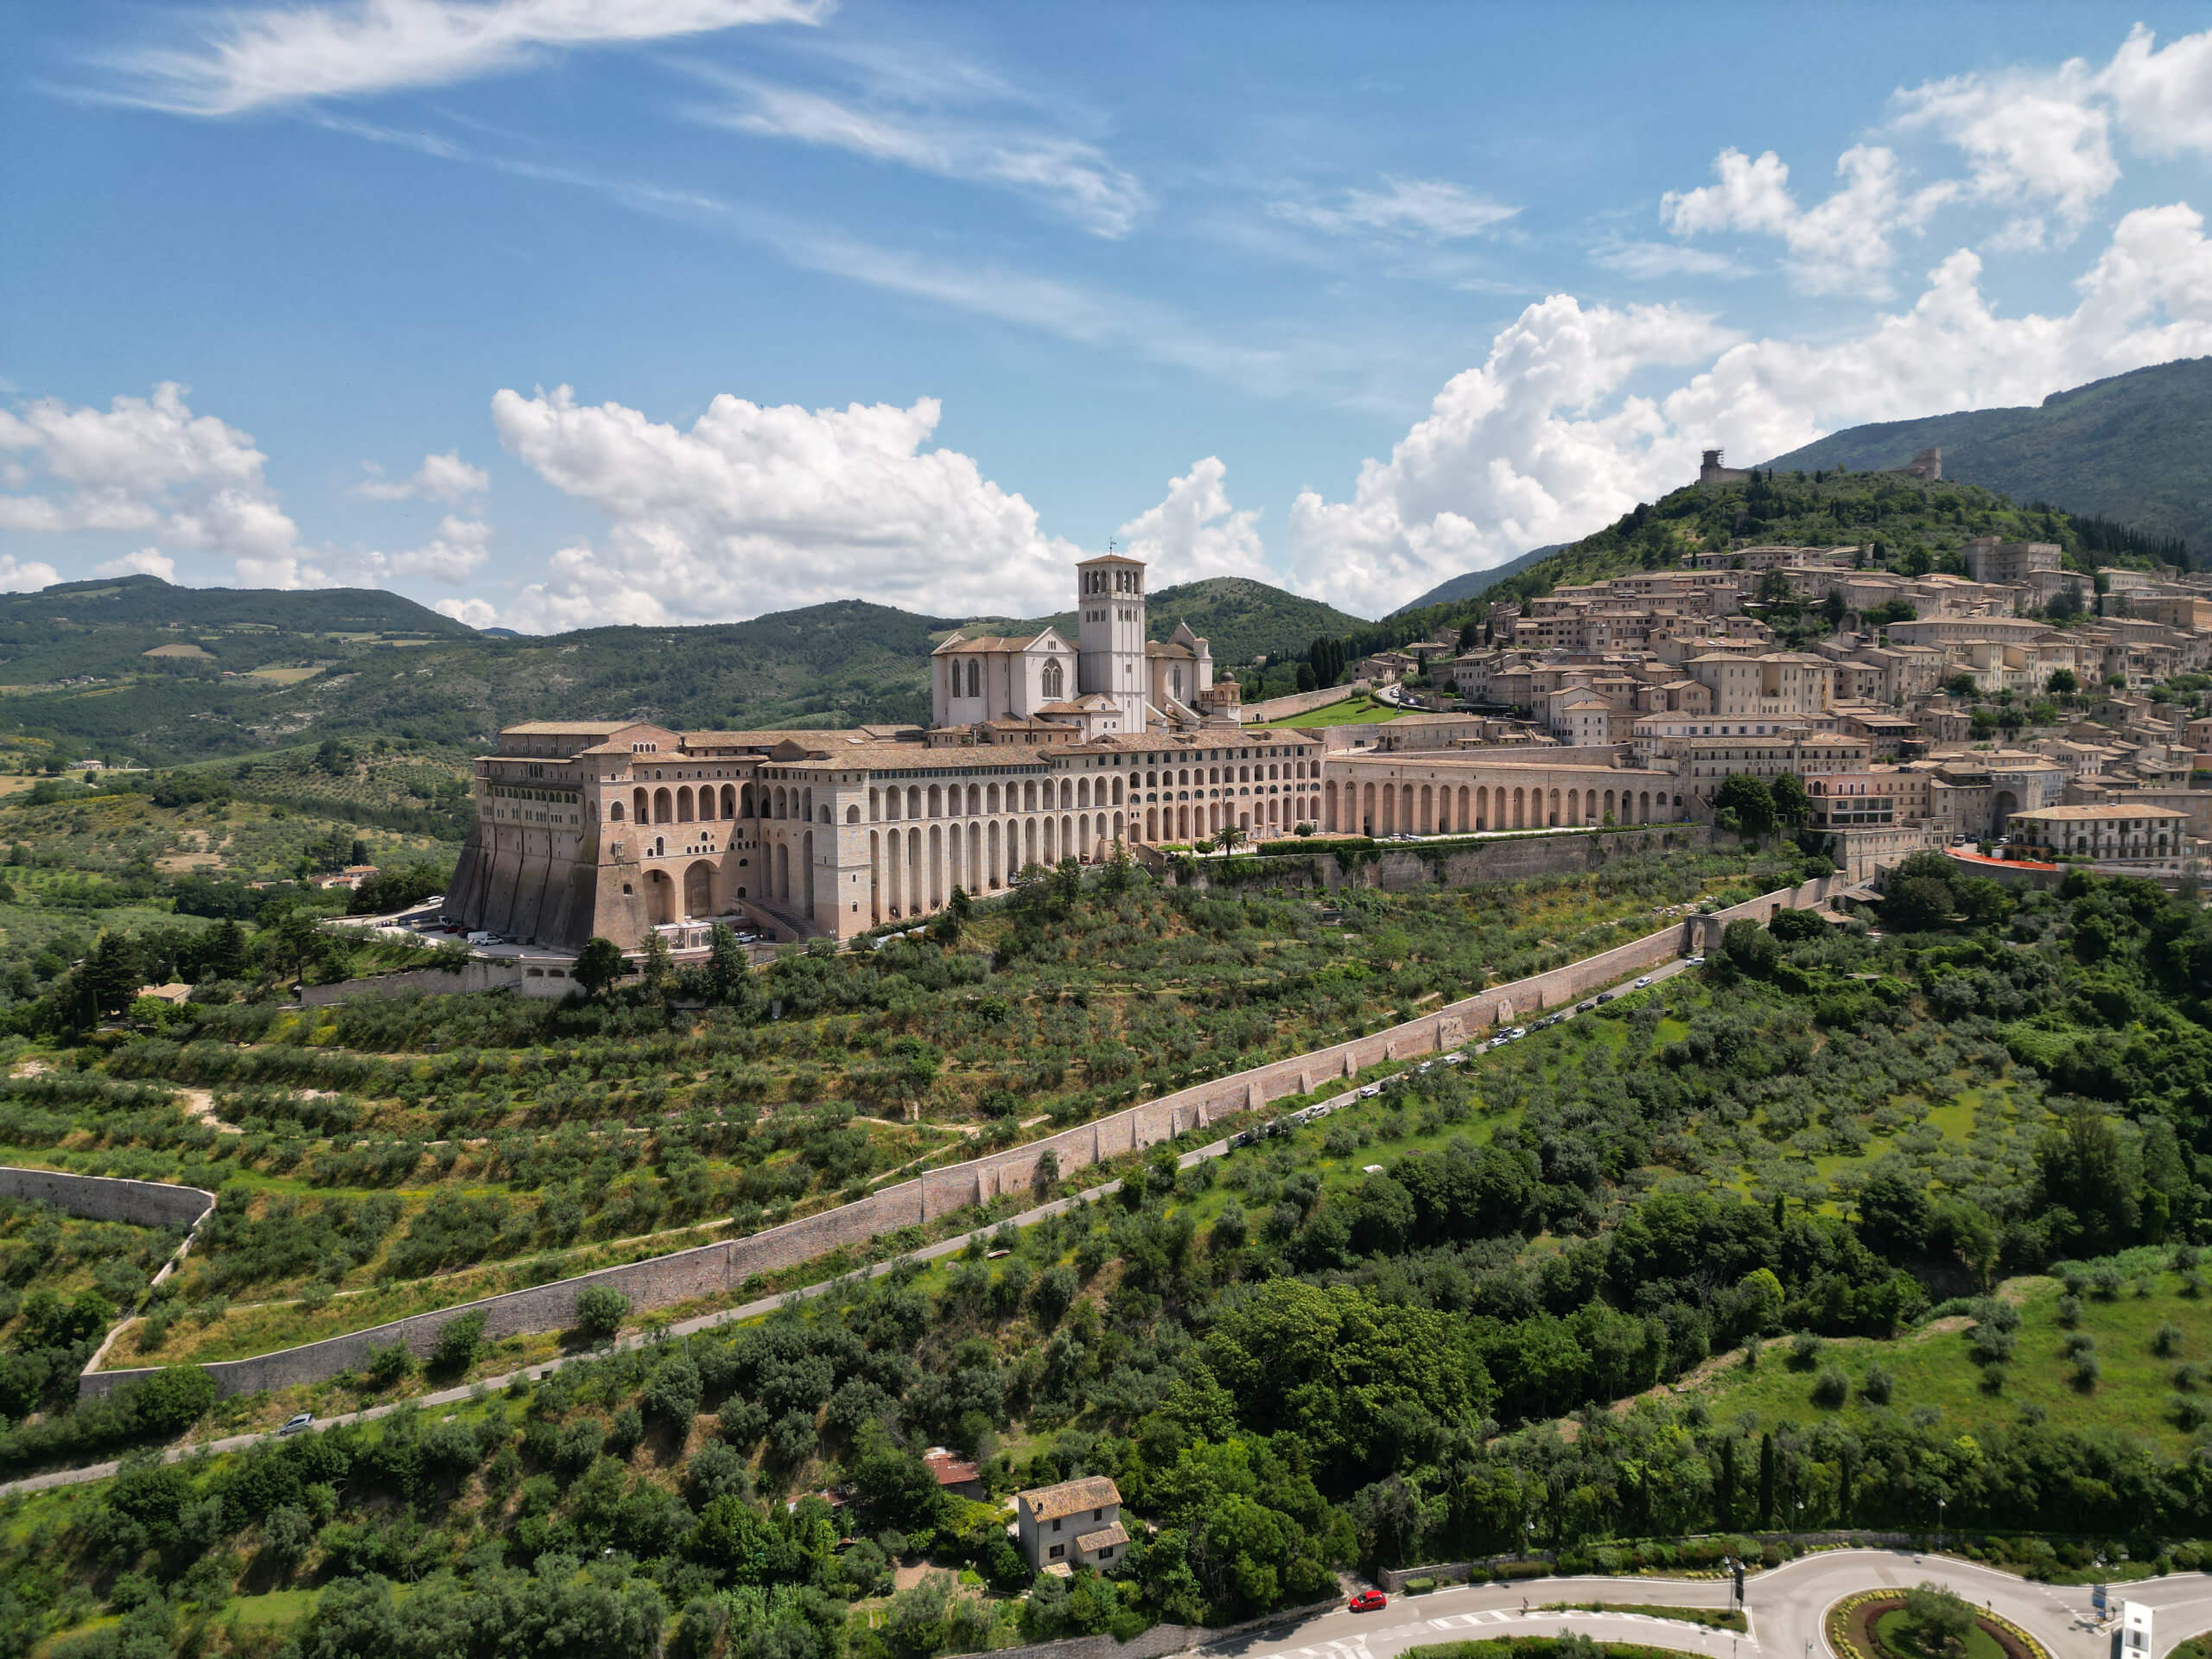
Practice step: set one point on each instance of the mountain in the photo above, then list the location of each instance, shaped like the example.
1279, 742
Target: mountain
1469, 584
2136, 449
161, 673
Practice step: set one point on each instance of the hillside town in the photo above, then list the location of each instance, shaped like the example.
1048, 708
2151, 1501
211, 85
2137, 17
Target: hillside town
1931, 709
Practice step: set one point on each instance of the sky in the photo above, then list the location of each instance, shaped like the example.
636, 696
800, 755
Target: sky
562, 313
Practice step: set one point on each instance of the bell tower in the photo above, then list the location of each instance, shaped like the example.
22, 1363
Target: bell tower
1111, 633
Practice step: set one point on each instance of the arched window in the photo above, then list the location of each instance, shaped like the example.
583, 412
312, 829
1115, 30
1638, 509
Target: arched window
975, 678
614, 812
1053, 680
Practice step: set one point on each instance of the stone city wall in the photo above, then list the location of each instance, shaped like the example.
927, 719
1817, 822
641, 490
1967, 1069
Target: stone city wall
711, 1269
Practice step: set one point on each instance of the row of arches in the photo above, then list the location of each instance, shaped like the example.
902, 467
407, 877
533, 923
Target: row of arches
913, 872
683, 806
1076, 794
1196, 777
1188, 822
1426, 809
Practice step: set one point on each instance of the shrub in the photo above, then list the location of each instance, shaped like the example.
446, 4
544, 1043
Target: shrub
459, 1341
389, 1365
2166, 1341
1804, 1351
1420, 1586
2086, 1371
1877, 1386
2069, 1311
1832, 1389
600, 1310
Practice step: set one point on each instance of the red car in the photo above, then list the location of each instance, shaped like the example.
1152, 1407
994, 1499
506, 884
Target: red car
1369, 1601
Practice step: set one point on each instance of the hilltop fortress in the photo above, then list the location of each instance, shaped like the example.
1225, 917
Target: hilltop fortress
1037, 750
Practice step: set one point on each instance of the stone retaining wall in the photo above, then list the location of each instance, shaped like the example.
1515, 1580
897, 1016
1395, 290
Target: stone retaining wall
712, 1269
1160, 1640
1392, 1579
1298, 702
107, 1197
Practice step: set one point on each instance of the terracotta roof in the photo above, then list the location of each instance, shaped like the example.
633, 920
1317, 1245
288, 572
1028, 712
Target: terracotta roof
1106, 1537
1071, 1496
573, 728
950, 1468
2100, 814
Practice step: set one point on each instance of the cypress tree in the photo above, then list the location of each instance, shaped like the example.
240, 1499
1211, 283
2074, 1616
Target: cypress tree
1766, 1480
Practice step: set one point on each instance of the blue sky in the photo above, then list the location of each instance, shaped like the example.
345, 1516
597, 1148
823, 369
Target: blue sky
553, 312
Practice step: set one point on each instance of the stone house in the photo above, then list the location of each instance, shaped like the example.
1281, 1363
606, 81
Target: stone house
1076, 1523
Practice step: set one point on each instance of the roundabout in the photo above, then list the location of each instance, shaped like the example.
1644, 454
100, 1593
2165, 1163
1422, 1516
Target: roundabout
1787, 1611
1883, 1624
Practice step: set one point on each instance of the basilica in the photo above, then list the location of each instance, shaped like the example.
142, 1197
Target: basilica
1037, 750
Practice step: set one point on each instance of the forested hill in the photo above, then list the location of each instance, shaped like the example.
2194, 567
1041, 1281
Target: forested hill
1470, 584
163, 674
2136, 449
1912, 527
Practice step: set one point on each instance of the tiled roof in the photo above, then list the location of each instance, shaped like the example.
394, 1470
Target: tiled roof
1072, 1497
1105, 1538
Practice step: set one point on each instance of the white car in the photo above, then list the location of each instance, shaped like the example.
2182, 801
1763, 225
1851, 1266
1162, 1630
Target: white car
1640, 984
481, 937
295, 1424
1694, 961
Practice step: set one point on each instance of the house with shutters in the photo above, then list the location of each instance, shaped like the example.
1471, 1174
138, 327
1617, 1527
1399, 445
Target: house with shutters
1076, 1523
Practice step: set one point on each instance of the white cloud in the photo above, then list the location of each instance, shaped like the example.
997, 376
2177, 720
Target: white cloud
1430, 208
753, 509
445, 478
1651, 261
1545, 442
453, 555
2164, 99
150, 463
146, 561
26, 577
1841, 245
1068, 174
290, 54
475, 612
2027, 139
1195, 532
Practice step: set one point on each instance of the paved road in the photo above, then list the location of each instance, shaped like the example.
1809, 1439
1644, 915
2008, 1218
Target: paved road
1785, 1608
703, 1322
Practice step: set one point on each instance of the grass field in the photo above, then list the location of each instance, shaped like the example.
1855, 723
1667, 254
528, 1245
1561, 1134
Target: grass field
1353, 711
1933, 1369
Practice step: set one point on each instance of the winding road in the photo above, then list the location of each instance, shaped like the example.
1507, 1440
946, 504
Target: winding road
1785, 1608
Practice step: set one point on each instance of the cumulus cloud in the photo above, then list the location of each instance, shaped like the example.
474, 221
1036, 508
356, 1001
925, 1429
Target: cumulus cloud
293, 55
146, 561
26, 576
1841, 244
2031, 140
1433, 209
1546, 441
149, 464
2163, 97
1195, 532
1068, 174
445, 478
473, 613
753, 508
453, 555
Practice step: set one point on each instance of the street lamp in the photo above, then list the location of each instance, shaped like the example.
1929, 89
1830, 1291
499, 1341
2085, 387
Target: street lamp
1940, 1503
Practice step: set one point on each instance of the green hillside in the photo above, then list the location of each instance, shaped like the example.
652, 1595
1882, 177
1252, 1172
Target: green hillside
1469, 584
246, 672
2136, 449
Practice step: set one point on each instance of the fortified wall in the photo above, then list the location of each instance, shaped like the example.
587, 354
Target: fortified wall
714, 1270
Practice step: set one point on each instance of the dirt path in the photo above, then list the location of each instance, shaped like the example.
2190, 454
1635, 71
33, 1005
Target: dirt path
200, 1104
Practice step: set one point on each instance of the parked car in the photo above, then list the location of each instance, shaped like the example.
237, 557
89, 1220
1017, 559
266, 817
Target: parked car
1696, 961
1369, 1601
1640, 984
293, 1425
479, 937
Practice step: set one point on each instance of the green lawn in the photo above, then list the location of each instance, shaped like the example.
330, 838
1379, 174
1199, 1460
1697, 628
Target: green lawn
1352, 711
1933, 1367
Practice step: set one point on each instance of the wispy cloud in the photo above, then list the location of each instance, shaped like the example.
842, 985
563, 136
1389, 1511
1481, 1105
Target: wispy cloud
1430, 208
285, 56
1654, 261
900, 120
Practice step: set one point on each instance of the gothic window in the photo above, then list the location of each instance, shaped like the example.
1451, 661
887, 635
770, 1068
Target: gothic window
1052, 679
975, 678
